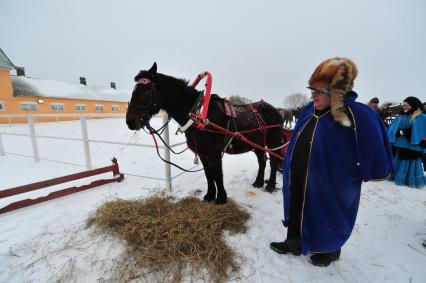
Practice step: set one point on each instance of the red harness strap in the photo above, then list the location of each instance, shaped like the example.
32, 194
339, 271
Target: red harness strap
259, 118
237, 135
260, 122
203, 121
207, 95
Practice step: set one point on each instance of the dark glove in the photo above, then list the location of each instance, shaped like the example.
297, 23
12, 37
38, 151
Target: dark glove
407, 133
423, 143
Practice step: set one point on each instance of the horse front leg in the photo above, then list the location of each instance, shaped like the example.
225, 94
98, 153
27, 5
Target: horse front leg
217, 173
211, 188
258, 183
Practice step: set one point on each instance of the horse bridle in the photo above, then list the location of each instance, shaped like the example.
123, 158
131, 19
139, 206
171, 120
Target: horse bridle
145, 110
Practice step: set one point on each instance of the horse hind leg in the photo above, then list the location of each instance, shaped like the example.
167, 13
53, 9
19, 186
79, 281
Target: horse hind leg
258, 183
270, 184
274, 141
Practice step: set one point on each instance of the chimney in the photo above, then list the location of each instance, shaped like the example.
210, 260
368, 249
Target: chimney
113, 85
20, 71
83, 81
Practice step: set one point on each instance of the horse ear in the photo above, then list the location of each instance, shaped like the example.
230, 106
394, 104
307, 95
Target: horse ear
153, 69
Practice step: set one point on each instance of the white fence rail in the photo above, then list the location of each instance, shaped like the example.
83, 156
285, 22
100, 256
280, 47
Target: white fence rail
86, 141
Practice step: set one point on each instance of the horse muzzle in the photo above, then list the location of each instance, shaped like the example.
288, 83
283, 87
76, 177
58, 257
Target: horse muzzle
133, 124
137, 124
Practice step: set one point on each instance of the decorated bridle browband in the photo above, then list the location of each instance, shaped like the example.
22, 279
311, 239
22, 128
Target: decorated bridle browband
143, 81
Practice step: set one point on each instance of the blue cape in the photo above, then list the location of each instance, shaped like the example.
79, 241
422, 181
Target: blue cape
418, 132
340, 159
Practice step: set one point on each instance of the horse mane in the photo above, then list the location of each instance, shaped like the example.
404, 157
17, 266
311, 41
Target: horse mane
158, 77
146, 74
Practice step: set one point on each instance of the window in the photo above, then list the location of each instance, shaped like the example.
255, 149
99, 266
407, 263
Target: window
99, 108
28, 106
57, 106
115, 108
80, 107
1, 106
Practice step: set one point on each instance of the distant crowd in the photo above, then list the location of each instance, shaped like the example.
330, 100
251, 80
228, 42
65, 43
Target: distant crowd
406, 127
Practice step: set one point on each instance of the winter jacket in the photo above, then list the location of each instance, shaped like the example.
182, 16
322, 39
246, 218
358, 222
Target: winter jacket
340, 158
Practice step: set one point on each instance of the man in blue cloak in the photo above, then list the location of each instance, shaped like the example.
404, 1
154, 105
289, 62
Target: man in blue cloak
336, 144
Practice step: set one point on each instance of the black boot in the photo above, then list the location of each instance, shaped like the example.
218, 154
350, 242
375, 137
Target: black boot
288, 246
324, 259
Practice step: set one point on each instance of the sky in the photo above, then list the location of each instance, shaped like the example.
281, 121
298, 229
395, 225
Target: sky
256, 49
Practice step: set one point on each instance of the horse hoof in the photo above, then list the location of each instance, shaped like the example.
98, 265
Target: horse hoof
258, 184
220, 201
270, 189
207, 198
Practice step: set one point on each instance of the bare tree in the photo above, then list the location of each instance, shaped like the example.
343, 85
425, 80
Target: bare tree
236, 99
295, 100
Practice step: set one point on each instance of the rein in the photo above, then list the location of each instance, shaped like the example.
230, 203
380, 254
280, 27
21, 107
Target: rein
158, 133
166, 161
153, 132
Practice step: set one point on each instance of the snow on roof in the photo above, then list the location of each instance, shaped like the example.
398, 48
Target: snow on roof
24, 86
5, 63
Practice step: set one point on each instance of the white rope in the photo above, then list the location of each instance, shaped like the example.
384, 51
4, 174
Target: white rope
284, 145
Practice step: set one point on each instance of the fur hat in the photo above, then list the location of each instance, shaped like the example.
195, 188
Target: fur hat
337, 75
374, 100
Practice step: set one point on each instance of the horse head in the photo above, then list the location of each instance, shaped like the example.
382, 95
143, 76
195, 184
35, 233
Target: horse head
145, 100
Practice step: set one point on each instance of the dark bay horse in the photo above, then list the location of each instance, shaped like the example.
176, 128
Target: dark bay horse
154, 91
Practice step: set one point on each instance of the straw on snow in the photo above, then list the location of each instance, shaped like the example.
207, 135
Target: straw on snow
169, 236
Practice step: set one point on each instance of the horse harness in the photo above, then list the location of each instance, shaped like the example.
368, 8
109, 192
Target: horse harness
201, 123
231, 130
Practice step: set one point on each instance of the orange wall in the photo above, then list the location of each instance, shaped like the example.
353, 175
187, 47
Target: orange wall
12, 104
5, 85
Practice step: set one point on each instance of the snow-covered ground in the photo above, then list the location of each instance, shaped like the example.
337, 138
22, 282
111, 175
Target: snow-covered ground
49, 242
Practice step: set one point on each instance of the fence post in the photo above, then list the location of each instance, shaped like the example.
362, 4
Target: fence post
167, 155
86, 141
33, 138
2, 153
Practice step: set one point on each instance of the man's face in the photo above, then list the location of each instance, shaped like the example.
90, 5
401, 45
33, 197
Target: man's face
321, 99
373, 106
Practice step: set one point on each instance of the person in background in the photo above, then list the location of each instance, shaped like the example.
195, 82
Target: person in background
374, 104
383, 111
406, 134
424, 156
337, 144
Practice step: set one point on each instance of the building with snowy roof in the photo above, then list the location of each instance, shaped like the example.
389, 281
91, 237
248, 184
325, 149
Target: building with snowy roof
23, 95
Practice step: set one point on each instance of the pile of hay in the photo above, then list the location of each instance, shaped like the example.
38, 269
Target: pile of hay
170, 236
